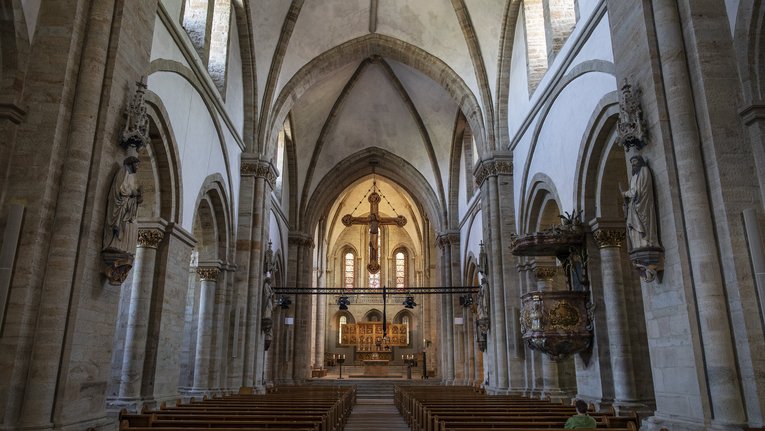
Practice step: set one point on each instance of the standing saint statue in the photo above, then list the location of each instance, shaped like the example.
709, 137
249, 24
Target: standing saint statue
121, 231
482, 305
639, 206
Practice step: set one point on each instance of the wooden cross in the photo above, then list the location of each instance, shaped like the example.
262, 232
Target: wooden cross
374, 221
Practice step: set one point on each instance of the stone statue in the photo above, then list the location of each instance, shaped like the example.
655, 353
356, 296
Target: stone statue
269, 266
639, 206
120, 232
483, 299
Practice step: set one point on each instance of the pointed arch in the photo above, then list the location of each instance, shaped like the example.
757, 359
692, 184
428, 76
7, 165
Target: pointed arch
355, 51
358, 165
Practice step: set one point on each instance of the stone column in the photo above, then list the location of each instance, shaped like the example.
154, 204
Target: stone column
138, 315
716, 337
545, 275
301, 348
494, 177
523, 268
534, 357
609, 242
258, 180
448, 344
208, 276
321, 318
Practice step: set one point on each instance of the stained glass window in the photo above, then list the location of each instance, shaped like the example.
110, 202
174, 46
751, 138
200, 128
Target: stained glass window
343, 321
400, 269
350, 270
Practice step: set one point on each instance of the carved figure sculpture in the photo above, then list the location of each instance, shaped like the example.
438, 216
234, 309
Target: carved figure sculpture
120, 232
639, 203
483, 299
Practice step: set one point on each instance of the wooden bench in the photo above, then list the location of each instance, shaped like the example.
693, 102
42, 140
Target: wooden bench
433, 409
294, 408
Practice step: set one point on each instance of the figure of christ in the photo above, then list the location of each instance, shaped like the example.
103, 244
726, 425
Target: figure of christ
374, 220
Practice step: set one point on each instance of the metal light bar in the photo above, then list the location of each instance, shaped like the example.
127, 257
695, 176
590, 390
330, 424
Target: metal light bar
445, 290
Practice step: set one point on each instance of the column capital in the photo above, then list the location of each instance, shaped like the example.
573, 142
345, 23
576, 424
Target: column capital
500, 163
300, 239
445, 239
150, 238
252, 166
208, 273
544, 272
609, 237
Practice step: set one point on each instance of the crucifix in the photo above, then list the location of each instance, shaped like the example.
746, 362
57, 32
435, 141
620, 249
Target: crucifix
375, 220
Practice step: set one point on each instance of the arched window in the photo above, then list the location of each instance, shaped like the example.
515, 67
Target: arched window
405, 320
401, 269
208, 22
342, 321
374, 280
349, 271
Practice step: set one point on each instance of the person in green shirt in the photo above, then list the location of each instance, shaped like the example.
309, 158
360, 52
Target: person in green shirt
581, 420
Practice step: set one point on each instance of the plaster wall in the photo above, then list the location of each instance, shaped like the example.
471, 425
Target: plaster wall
163, 46
199, 147
234, 81
490, 15
31, 10
562, 132
518, 103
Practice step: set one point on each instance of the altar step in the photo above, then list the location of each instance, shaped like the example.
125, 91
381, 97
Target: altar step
375, 415
373, 389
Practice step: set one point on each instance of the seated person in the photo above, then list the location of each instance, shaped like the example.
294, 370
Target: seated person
581, 420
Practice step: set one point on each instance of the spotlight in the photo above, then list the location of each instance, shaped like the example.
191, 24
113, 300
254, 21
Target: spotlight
409, 302
466, 300
283, 302
343, 302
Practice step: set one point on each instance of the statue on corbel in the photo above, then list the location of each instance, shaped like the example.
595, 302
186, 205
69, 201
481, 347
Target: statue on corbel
646, 252
266, 321
483, 321
125, 194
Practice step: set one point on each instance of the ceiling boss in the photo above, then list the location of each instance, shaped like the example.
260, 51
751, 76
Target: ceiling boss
374, 220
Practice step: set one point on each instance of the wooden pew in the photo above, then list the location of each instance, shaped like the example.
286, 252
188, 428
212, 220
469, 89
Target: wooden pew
433, 409
301, 408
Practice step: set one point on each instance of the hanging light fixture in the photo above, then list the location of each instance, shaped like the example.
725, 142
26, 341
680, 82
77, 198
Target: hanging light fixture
409, 302
466, 300
343, 302
283, 302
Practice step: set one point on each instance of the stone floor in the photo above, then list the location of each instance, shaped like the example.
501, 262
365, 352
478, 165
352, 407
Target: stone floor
375, 415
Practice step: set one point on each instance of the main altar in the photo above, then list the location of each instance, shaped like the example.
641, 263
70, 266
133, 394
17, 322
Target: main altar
368, 337
373, 347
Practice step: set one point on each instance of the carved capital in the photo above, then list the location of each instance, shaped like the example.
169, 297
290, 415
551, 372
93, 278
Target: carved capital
150, 237
545, 272
609, 237
300, 240
208, 273
259, 169
493, 167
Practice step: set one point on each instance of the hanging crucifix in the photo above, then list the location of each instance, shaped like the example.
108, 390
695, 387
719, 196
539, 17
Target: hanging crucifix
375, 220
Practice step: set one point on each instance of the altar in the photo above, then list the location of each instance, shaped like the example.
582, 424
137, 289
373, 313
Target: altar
375, 367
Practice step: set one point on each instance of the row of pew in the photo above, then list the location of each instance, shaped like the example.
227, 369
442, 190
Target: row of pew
286, 408
463, 408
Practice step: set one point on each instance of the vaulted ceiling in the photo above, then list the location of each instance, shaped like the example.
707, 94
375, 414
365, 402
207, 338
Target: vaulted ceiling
392, 74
